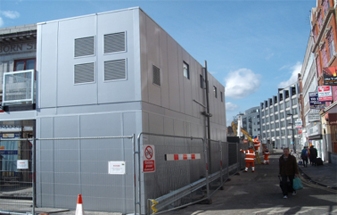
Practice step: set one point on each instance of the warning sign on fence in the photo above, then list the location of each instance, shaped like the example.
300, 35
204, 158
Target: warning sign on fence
149, 164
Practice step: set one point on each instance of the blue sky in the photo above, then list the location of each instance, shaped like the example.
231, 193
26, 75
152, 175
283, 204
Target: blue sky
252, 47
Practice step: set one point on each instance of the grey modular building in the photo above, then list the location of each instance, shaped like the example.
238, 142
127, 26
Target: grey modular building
90, 91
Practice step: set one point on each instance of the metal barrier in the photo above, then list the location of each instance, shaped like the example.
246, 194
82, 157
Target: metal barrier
66, 166
175, 158
16, 172
181, 182
100, 168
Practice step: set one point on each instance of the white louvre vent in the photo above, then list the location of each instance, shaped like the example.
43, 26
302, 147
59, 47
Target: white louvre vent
84, 73
114, 42
84, 46
156, 75
114, 70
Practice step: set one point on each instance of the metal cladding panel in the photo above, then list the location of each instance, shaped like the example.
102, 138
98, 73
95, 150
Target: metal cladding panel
128, 88
62, 46
173, 76
46, 65
69, 93
153, 55
172, 175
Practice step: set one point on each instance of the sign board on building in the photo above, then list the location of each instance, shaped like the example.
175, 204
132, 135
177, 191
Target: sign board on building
314, 131
314, 117
298, 123
149, 164
116, 167
330, 76
22, 164
324, 93
314, 102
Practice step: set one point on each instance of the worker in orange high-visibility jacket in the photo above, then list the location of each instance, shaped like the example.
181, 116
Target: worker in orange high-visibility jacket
257, 143
266, 155
249, 158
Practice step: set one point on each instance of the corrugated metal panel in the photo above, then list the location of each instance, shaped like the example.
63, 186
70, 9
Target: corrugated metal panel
84, 73
114, 70
84, 46
114, 42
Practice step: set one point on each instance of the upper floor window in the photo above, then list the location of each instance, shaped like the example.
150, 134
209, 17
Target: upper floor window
186, 70
324, 57
221, 96
325, 7
201, 81
156, 75
331, 44
215, 92
24, 64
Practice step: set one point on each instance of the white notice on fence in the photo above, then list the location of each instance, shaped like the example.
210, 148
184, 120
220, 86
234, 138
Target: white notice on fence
117, 167
22, 164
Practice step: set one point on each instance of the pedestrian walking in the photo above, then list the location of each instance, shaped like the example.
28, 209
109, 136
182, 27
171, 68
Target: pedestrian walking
287, 171
304, 156
313, 155
266, 155
249, 158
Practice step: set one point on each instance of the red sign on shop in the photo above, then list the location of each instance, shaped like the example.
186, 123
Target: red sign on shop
149, 164
324, 93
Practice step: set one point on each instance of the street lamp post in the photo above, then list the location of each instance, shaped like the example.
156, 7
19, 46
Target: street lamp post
292, 131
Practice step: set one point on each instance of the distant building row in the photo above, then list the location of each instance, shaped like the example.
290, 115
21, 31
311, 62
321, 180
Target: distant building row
305, 113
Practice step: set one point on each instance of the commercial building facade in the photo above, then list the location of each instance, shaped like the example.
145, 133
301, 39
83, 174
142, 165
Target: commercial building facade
251, 121
278, 117
96, 77
324, 33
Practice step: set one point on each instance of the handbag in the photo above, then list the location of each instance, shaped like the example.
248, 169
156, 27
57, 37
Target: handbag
297, 184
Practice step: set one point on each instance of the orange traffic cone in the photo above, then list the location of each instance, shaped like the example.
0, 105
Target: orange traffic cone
79, 206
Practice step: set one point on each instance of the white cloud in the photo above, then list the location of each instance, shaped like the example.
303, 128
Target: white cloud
230, 106
10, 14
1, 22
296, 69
241, 83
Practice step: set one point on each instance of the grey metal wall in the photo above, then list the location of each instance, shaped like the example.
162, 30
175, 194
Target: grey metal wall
56, 60
66, 168
175, 98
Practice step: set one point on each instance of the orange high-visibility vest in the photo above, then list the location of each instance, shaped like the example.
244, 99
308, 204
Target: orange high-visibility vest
266, 154
249, 154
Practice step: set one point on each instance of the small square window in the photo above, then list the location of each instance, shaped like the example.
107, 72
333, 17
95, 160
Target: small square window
186, 70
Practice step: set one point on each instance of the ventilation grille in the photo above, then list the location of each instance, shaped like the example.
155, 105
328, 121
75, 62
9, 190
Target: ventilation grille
114, 70
156, 75
84, 73
114, 42
84, 46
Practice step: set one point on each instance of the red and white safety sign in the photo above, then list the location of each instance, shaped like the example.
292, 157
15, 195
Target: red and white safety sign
176, 157
149, 162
